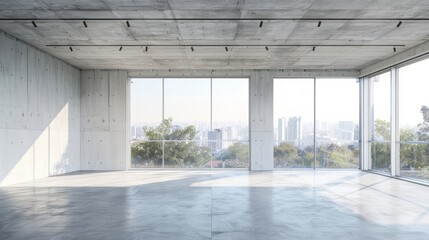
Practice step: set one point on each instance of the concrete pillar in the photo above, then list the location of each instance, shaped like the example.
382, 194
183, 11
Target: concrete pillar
261, 121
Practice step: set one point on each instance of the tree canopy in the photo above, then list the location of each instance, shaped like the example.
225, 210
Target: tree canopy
181, 149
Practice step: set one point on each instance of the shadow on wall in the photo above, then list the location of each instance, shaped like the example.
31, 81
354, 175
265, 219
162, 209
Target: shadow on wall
39, 114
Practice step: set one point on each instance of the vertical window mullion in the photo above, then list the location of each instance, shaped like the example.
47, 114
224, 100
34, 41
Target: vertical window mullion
394, 126
211, 120
314, 123
163, 130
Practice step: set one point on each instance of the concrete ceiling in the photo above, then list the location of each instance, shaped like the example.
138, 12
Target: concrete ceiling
273, 32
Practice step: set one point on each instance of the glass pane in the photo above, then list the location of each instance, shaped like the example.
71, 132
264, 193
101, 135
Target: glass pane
146, 118
293, 154
229, 154
146, 154
414, 120
380, 122
146, 108
337, 123
187, 154
334, 154
380, 156
293, 122
230, 108
187, 108
415, 161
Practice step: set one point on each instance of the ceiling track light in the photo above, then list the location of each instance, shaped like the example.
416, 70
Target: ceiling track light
120, 49
399, 24
258, 46
84, 24
319, 24
34, 24
394, 49
128, 24
261, 23
192, 49
71, 49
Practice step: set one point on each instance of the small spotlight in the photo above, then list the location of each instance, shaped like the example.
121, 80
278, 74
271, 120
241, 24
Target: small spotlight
319, 24
71, 49
128, 24
120, 49
146, 48
226, 49
314, 49
34, 24
261, 23
84, 24
394, 49
399, 24
192, 49
266, 48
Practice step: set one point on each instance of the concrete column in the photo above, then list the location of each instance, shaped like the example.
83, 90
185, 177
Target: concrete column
261, 121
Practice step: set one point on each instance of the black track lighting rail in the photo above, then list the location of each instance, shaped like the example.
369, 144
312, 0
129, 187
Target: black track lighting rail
225, 45
215, 19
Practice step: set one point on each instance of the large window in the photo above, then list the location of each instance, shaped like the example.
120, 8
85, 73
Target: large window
146, 119
332, 131
294, 123
337, 129
380, 153
414, 120
229, 135
189, 123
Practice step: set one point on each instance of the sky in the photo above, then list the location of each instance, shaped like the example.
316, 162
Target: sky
336, 99
413, 92
188, 100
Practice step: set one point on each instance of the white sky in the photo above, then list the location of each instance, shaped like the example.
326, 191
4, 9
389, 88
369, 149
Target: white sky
336, 99
188, 100
413, 92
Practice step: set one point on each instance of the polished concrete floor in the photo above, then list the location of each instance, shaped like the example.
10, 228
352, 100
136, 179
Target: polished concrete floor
215, 205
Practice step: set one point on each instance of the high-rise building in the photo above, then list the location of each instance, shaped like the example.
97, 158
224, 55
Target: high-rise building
294, 130
346, 130
215, 138
139, 133
133, 132
357, 133
281, 130
231, 133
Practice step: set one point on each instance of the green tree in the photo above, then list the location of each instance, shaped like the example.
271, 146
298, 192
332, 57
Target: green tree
286, 155
336, 156
423, 132
182, 153
380, 152
235, 156
412, 156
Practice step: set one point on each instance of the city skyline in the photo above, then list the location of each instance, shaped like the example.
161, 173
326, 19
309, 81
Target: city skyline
341, 130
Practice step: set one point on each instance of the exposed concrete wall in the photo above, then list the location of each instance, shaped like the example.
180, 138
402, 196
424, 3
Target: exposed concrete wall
103, 120
39, 113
